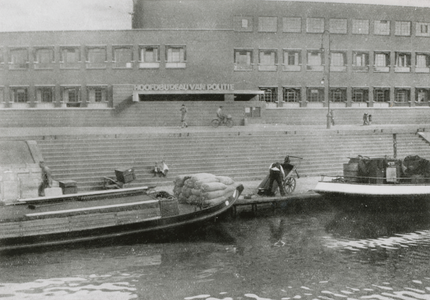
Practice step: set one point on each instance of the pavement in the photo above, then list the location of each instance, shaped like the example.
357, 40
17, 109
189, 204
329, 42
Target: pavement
64, 131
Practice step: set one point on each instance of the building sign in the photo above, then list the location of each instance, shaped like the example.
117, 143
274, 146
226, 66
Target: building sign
184, 87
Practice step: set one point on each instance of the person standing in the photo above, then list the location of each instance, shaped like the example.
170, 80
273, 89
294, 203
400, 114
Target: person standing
276, 173
46, 178
331, 115
365, 119
184, 112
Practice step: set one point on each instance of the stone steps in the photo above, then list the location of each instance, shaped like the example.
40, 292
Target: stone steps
241, 156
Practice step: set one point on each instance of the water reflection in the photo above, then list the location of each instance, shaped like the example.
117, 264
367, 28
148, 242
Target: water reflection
324, 255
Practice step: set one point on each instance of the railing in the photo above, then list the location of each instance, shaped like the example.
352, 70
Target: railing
418, 179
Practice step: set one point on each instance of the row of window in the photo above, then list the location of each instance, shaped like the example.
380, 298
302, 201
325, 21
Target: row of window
339, 94
360, 60
335, 26
175, 57
70, 57
47, 94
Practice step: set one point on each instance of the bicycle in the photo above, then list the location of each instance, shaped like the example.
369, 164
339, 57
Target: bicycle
227, 121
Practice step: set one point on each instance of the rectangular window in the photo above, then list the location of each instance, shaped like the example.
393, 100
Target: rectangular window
71, 95
123, 57
315, 95
315, 62
292, 95
270, 94
267, 24
422, 29
382, 27
381, 95
338, 26
19, 94
96, 57
315, 25
176, 57
360, 61
422, 64
44, 58
338, 95
382, 62
70, 57
291, 24
360, 26
403, 59
338, 61
292, 60
243, 23
267, 60
422, 95
1, 95
402, 95
45, 94
97, 94
402, 28
360, 95
149, 57
18, 58
243, 59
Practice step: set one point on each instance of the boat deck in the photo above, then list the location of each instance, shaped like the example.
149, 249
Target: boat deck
81, 205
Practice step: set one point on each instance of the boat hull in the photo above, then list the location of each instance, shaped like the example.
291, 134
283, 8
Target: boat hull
375, 196
107, 223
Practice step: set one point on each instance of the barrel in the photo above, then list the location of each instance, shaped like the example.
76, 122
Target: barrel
350, 172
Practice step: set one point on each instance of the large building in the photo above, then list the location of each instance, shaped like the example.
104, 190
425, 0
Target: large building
236, 52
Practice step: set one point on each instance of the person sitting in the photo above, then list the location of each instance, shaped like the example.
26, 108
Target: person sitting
160, 169
163, 168
220, 115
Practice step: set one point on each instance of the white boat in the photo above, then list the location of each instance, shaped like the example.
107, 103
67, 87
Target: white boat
379, 181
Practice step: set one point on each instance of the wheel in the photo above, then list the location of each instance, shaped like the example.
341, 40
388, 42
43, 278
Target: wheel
215, 123
290, 185
229, 123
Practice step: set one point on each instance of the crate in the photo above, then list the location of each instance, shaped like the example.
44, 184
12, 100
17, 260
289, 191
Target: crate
125, 175
68, 187
169, 207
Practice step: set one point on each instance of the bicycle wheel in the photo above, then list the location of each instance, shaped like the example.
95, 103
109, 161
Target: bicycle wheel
215, 123
290, 185
229, 123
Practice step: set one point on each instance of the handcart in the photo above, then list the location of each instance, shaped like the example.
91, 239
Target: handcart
121, 179
289, 180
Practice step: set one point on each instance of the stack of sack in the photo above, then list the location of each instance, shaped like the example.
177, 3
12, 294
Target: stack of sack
203, 189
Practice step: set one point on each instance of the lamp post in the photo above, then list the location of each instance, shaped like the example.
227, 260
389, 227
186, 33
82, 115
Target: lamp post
327, 62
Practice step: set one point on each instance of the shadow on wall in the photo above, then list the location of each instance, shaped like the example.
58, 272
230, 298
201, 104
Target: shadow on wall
123, 105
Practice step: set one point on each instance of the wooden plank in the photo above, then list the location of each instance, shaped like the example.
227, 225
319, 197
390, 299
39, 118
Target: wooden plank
91, 221
10, 229
96, 193
134, 216
91, 209
44, 226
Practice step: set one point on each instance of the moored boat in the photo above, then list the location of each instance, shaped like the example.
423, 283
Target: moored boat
83, 217
379, 181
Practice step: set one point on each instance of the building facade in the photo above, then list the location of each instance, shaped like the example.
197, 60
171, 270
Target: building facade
248, 54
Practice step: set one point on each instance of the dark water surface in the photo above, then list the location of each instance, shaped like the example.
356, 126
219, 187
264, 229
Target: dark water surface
311, 254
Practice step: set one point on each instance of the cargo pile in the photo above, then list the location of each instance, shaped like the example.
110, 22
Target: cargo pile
203, 189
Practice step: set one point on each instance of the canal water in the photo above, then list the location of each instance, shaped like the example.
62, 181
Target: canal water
305, 254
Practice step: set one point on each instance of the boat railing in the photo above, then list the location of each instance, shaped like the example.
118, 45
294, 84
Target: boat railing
374, 180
